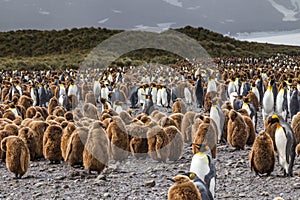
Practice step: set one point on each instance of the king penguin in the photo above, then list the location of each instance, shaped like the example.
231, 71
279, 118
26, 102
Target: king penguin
133, 97
218, 116
281, 101
268, 103
148, 107
294, 103
199, 92
286, 144
203, 166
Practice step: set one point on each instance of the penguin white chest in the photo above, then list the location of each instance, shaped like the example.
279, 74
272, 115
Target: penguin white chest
231, 87
268, 102
279, 101
187, 95
164, 97
211, 86
281, 141
256, 92
214, 115
200, 165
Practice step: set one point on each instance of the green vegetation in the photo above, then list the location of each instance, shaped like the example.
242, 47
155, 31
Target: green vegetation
33, 49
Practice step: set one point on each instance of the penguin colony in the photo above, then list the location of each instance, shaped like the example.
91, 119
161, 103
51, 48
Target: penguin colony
86, 118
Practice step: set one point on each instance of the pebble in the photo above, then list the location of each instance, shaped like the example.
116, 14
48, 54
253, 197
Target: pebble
296, 186
106, 195
149, 183
265, 193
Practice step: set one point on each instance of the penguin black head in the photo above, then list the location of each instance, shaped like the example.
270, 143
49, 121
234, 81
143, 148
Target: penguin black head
274, 119
191, 175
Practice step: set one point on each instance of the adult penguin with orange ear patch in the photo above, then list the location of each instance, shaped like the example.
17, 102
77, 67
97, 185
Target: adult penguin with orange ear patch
262, 154
203, 166
285, 143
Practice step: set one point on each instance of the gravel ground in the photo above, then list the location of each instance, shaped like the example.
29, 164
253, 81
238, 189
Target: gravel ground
147, 179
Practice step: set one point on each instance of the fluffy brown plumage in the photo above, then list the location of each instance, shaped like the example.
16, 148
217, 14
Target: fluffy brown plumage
119, 139
262, 154
74, 151
158, 142
177, 117
183, 189
138, 143
52, 105
296, 127
90, 98
17, 155
67, 132
27, 135
25, 101
186, 126
95, 153
38, 128
206, 134
51, 144
176, 142
179, 106
166, 121
90, 111
236, 133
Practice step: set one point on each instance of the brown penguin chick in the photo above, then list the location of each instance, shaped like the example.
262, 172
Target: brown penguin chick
59, 111
4, 134
74, 151
43, 111
126, 117
138, 144
296, 126
38, 128
51, 144
12, 128
106, 122
195, 126
271, 129
38, 117
179, 106
17, 155
30, 112
21, 110
141, 115
176, 142
227, 105
9, 115
158, 142
186, 126
249, 126
67, 132
77, 114
119, 139
25, 101
18, 121
208, 100
155, 112
262, 154
96, 151
27, 135
236, 133
183, 189
69, 116
177, 117
90, 111
253, 99
166, 121
52, 105
206, 134
158, 116
90, 98
224, 133
73, 101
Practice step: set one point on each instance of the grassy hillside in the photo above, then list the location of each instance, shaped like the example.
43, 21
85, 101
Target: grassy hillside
67, 48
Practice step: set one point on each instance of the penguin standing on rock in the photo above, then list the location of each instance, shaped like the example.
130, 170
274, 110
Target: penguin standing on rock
285, 142
203, 166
